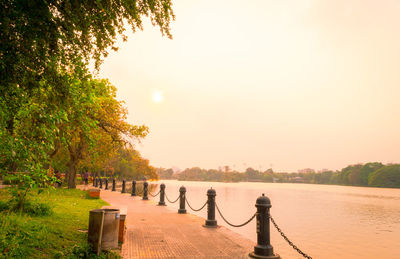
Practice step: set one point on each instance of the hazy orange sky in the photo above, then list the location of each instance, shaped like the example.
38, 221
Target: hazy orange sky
287, 84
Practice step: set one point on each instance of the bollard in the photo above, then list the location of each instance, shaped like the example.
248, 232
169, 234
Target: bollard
182, 197
97, 182
210, 221
162, 195
263, 249
123, 186
145, 186
94, 182
133, 193
101, 183
106, 187
113, 185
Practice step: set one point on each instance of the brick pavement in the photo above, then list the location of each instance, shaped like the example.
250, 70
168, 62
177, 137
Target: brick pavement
159, 232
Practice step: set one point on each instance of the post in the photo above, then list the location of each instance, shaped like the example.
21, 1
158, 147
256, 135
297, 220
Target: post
182, 192
210, 221
106, 187
145, 186
101, 183
263, 249
133, 193
162, 195
97, 182
123, 186
94, 181
113, 185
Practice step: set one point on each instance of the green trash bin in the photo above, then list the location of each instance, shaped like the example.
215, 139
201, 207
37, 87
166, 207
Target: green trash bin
103, 229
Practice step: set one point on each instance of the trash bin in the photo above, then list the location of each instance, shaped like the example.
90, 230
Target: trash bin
122, 223
103, 229
94, 193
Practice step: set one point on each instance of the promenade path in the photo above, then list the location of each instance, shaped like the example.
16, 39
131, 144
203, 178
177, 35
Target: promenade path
159, 232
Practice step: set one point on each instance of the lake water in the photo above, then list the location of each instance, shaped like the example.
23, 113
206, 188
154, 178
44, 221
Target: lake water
324, 221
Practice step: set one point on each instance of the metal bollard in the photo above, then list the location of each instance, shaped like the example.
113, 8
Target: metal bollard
123, 186
113, 185
210, 221
101, 183
94, 182
145, 186
106, 187
133, 193
162, 195
182, 198
263, 249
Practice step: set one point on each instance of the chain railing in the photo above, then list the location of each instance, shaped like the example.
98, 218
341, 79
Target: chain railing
187, 202
263, 204
166, 196
233, 225
287, 239
154, 195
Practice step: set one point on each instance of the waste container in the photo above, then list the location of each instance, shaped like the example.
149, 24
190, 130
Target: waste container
122, 223
94, 193
103, 229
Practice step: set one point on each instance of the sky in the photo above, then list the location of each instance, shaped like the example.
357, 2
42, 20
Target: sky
283, 84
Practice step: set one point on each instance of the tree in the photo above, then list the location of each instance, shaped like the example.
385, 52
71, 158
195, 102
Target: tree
131, 165
386, 176
368, 169
94, 125
43, 43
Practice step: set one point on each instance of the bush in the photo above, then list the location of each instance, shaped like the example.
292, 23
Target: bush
4, 206
10, 179
32, 208
37, 208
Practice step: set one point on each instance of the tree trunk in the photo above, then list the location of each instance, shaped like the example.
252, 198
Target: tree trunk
72, 174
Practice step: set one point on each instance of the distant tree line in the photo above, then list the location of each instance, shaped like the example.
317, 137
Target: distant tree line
370, 174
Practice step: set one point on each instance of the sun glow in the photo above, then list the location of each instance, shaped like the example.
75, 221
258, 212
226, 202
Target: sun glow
157, 96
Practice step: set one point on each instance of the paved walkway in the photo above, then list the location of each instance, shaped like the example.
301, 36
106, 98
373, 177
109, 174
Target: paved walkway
158, 232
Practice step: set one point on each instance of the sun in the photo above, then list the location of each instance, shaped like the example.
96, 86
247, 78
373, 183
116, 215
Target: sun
157, 96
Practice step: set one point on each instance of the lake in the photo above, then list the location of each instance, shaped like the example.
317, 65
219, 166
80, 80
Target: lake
324, 221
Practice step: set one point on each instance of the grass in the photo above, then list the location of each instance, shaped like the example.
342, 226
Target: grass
62, 234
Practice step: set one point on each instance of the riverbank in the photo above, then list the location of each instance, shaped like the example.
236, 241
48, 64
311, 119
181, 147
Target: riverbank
62, 234
160, 232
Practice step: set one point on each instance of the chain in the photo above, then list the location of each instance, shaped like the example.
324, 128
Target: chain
172, 201
194, 209
287, 239
155, 194
232, 225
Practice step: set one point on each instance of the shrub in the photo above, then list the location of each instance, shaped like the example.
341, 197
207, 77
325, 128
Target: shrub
4, 206
10, 179
32, 208
37, 208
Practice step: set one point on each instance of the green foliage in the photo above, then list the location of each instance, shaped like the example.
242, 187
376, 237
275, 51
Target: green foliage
379, 175
57, 235
130, 165
10, 179
366, 170
387, 176
33, 208
45, 88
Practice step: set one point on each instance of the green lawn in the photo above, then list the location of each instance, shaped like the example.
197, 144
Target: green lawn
63, 234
